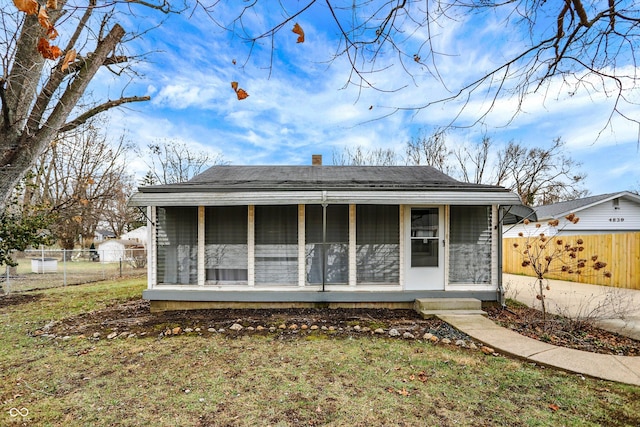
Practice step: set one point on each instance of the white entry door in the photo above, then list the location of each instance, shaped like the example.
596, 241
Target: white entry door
424, 262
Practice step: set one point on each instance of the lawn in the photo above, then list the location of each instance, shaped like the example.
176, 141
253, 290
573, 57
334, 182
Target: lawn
262, 380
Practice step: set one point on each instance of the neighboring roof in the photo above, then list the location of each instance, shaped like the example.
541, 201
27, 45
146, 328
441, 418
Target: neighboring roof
126, 243
106, 233
557, 210
313, 184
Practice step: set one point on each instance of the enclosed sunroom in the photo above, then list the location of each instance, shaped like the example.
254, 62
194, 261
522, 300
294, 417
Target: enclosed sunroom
322, 234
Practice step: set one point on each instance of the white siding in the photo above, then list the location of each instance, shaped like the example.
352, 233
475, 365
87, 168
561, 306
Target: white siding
601, 218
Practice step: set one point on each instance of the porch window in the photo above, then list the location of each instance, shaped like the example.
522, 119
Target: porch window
276, 250
177, 245
378, 244
327, 244
470, 244
226, 244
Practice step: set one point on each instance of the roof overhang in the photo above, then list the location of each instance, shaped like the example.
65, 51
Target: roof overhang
486, 197
514, 214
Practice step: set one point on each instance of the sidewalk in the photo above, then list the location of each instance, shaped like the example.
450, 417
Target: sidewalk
623, 369
615, 309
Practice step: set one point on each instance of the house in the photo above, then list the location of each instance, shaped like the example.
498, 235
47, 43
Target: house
138, 234
601, 214
115, 250
323, 234
101, 235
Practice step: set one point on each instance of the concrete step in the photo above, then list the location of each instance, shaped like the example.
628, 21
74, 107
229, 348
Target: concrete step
429, 307
448, 304
429, 314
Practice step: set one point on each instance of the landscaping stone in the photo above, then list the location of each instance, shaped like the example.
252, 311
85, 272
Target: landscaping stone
236, 327
112, 335
445, 341
379, 331
408, 336
394, 332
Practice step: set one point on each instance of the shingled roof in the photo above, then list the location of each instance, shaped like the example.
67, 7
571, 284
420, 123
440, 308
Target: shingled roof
256, 178
561, 209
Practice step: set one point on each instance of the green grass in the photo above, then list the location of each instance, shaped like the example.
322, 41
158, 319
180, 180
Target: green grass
262, 380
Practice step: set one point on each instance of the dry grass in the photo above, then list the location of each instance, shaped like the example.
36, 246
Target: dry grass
243, 380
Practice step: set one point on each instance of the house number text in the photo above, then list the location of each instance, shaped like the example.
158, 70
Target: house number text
616, 219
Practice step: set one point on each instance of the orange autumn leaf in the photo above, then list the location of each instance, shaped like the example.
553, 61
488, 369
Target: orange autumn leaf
68, 59
52, 4
48, 51
30, 7
298, 30
242, 94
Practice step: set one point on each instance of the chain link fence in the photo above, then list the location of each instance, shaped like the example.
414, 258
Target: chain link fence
47, 268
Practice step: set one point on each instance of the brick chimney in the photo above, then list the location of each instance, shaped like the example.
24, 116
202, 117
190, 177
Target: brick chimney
316, 159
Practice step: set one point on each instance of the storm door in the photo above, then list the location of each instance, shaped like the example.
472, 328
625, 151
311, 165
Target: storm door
425, 241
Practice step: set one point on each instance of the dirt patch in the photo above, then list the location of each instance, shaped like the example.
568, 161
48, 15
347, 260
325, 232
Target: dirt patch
134, 318
17, 299
564, 332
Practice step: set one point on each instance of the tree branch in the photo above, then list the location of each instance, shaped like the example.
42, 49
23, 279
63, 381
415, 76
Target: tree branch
81, 119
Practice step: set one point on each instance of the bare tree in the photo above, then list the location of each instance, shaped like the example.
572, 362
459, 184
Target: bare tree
43, 84
540, 175
429, 150
586, 46
171, 162
360, 156
79, 176
473, 161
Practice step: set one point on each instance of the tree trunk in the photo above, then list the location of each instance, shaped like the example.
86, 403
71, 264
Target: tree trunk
20, 142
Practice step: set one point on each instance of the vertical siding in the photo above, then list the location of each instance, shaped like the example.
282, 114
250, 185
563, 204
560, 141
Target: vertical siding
621, 252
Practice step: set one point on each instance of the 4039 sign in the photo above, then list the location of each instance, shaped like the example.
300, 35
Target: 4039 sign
616, 219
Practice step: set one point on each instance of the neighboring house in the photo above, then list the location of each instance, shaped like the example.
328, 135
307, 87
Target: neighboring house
601, 214
102, 235
115, 250
139, 235
323, 234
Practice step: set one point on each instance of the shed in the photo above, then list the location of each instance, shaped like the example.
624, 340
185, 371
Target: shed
602, 214
116, 250
323, 234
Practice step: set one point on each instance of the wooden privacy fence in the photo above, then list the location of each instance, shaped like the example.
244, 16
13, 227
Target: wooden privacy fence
620, 251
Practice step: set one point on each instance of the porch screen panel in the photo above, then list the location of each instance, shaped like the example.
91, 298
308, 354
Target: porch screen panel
378, 244
226, 246
327, 255
177, 243
276, 251
470, 244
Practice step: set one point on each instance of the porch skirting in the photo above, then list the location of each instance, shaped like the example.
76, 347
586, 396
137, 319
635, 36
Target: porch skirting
172, 299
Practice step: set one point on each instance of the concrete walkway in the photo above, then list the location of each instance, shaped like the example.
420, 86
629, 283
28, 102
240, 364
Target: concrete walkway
614, 309
623, 369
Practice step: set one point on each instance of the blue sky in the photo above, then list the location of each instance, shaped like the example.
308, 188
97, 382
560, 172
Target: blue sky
300, 106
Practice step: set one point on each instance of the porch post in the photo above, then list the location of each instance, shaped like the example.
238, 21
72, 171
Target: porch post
353, 267
251, 246
152, 249
201, 247
302, 268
